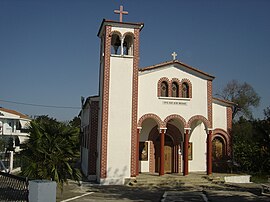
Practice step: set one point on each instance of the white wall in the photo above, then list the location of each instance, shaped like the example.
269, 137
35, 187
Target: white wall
219, 116
150, 103
84, 163
119, 119
198, 138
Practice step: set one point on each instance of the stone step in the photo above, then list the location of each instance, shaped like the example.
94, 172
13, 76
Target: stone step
168, 181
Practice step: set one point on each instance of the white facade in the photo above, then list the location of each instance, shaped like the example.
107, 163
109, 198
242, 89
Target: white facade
161, 118
150, 102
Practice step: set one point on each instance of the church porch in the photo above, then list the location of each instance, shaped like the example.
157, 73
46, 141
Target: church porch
170, 147
159, 148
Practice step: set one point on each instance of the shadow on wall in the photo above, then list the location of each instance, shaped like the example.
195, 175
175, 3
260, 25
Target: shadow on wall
117, 176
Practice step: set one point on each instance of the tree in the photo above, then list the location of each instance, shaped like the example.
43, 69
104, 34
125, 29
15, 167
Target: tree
246, 151
251, 144
50, 151
75, 122
2, 145
243, 95
267, 113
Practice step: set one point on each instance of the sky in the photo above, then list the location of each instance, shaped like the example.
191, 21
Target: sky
49, 49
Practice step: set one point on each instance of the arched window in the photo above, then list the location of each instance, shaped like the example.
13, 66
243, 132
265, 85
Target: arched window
128, 45
164, 89
185, 90
175, 89
115, 44
218, 148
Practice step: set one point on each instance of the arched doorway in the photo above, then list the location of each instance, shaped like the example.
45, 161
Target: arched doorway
218, 148
168, 154
219, 156
172, 146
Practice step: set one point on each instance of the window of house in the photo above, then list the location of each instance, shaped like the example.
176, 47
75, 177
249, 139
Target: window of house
116, 44
164, 89
175, 90
128, 45
18, 125
185, 90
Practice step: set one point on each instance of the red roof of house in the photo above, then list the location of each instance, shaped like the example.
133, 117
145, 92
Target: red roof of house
14, 112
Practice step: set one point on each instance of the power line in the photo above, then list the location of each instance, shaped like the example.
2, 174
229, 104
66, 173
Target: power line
40, 105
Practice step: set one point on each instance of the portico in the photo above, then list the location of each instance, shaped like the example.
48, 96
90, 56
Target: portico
170, 147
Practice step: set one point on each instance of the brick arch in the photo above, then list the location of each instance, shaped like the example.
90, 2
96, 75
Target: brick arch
128, 48
198, 117
218, 132
159, 86
112, 50
158, 120
176, 80
128, 33
185, 80
153, 133
177, 117
174, 132
116, 32
171, 129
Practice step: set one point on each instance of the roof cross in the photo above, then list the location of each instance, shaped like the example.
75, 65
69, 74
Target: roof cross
121, 12
174, 54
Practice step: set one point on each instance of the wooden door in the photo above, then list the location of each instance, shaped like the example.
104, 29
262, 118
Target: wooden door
167, 159
217, 148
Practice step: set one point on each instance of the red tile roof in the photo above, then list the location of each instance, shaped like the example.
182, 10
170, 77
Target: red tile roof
14, 112
227, 102
179, 63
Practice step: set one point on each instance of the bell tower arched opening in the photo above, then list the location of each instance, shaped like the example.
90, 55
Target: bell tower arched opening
116, 44
128, 45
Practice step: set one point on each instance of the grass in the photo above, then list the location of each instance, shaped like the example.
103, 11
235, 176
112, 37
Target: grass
260, 178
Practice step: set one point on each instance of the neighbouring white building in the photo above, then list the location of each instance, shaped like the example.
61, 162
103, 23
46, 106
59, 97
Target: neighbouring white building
158, 119
13, 127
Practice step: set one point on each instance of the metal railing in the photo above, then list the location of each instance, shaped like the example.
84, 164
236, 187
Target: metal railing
13, 188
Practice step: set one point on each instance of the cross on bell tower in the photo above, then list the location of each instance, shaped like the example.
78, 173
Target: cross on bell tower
121, 12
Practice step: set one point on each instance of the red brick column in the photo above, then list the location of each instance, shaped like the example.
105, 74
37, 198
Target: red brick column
151, 157
180, 168
162, 141
137, 151
133, 169
185, 156
105, 103
210, 102
209, 152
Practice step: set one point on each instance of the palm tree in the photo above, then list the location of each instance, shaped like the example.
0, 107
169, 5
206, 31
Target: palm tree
50, 151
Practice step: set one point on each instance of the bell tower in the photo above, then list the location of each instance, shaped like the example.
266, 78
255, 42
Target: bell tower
118, 92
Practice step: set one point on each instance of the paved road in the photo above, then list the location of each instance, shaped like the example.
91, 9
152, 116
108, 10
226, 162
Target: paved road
211, 193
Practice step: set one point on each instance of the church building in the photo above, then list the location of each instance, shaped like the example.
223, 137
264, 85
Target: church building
157, 119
